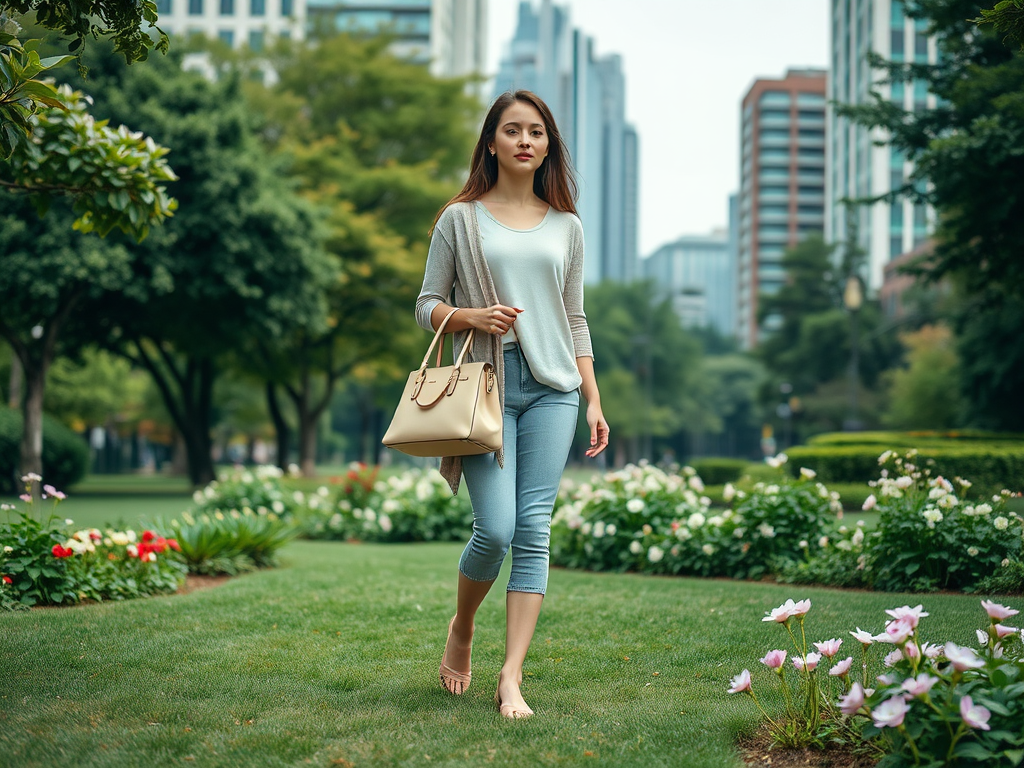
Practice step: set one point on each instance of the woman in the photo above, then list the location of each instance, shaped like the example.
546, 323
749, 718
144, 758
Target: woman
508, 251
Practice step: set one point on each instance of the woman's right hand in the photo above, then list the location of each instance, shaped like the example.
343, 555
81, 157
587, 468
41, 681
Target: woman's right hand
496, 320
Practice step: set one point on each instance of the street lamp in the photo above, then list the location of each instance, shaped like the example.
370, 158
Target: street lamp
853, 300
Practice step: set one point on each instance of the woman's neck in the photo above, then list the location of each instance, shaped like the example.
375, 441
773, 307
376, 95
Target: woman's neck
513, 191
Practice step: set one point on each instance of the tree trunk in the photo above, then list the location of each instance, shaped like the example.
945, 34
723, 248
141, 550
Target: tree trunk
309, 416
282, 432
32, 431
307, 445
17, 377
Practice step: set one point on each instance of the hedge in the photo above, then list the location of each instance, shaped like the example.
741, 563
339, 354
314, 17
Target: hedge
65, 454
916, 439
719, 471
989, 466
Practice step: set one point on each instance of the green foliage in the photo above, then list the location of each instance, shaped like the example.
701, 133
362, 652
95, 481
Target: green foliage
925, 394
416, 505
130, 24
65, 454
108, 566
117, 177
718, 471
642, 518
38, 577
92, 387
21, 94
968, 158
1008, 19
916, 438
990, 466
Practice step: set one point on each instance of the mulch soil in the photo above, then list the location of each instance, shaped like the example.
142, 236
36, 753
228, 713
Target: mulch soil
759, 750
195, 582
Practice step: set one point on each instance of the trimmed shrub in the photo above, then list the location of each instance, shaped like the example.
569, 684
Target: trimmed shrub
719, 471
990, 466
915, 439
65, 454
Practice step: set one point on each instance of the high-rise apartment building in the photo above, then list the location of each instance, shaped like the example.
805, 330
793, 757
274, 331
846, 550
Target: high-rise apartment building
858, 168
235, 22
696, 274
587, 95
450, 35
782, 184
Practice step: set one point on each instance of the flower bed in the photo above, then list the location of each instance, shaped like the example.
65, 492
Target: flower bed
46, 562
923, 704
646, 519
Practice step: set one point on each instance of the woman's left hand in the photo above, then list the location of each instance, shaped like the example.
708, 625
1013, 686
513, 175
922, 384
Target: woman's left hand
598, 429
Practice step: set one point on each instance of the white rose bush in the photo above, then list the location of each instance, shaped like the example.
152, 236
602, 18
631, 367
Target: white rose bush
915, 701
415, 505
646, 519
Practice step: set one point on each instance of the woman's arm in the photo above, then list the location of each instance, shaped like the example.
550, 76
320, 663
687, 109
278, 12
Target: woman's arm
595, 416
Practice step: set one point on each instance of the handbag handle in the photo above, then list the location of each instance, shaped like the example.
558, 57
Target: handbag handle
453, 380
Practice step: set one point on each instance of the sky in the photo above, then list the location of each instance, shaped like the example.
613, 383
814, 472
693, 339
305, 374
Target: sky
688, 64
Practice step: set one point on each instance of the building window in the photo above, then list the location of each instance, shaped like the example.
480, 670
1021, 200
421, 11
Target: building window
920, 219
896, 218
895, 246
920, 95
227, 7
897, 94
257, 8
287, 7
774, 98
920, 48
227, 36
256, 39
164, 7
810, 100
195, 7
897, 45
897, 13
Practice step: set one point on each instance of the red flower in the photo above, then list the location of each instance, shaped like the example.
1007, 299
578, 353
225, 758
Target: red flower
8, 580
95, 535
159, 545
148, 536
173, 544
59, 551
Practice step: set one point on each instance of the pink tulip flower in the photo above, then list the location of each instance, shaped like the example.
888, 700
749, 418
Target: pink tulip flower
864, 638
851, 703
774, 659
840, 669
829, 648
801, 608
898, 631
911, 651
890, 713
741, 682
998, 612
975, 716
1002, 631
920, 685
912, 615
809, 664
962, 658
780, 614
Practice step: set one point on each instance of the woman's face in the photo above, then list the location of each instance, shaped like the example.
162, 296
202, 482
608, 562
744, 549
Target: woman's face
521, 140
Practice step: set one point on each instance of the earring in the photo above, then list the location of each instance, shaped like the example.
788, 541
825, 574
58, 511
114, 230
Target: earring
492, 153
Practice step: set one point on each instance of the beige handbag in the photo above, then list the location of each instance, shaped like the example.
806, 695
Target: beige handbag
448, 411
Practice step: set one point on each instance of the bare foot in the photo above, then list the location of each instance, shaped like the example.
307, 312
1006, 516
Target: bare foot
510, 699
457, 658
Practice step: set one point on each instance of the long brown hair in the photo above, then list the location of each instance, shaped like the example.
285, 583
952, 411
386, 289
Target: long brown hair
554, 181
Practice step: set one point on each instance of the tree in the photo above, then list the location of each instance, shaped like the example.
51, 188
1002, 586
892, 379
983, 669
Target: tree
1008, 18
241, 260
968, 156
379, 144
925, 394
48, 273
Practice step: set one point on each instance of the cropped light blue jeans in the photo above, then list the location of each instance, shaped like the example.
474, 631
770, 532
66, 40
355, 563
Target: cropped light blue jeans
512, 506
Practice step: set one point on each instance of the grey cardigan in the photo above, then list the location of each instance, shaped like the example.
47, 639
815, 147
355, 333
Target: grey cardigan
456, 259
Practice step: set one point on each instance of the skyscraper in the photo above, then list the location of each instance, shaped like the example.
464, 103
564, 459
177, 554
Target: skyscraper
587, 95
782, 180
235, 22
450, 35
696, 274
857, 167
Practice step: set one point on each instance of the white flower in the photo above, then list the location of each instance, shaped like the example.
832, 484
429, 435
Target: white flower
683, 533
802, 544
716, 520
322, 491
1000, 523
904, 481
611, 529
972, 551
766, 530
299, 497
858, 537
599, 529
385, 523
728, 493
885, 457
869, 503
654, 554
983, 509
776, 461
807, 474
823, 542
708, 549
635, 505
636, 547
198, 497
696, 484
933, 516
696, 520
8, 550
771, 490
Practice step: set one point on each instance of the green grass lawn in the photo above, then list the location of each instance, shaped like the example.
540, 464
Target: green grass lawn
332, 660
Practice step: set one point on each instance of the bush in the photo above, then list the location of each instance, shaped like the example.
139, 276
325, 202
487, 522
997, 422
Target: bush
642, 518
718, 471
65, 454
416, 505
915, 439
990, 466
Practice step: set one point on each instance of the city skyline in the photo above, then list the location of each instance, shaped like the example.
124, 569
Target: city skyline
689, 159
